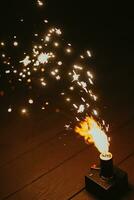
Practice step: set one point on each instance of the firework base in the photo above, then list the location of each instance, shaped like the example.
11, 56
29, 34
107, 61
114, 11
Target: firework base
107, 188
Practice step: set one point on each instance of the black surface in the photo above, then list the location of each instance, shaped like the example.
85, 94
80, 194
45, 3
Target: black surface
106, 168
107, 188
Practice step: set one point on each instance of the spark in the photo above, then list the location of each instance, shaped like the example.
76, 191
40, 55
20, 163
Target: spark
56, 70
59, 63
95, 112
53, 73
15, 71
28, 73
77, 119
81, 56
90, 74
87, 104
75, 106
84, 85
36, 34
58, 32
75, 76
93, 95
68, 50
46, 21
43, 58
9, 110
78, 67
40, 3
26, 61
83, 99
68, 99
67, 126
30, 101
81, 108
56, 44
42, 69
24, 111
15, 43
43, 83
29, 80
58, 77
47, 38
2, 44
90, 80
3, 55
7, 71
107, 129
71, 88
89, 53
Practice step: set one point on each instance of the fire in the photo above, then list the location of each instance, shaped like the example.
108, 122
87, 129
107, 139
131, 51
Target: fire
93, 133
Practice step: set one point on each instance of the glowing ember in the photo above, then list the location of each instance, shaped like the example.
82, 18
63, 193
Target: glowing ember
43, 58
15, 43
31, 101
24, 111
9, 110
89, 53
93, 133
40, 3
26, 61
68, 50
2, 44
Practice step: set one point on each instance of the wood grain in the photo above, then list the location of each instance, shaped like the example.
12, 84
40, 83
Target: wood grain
38, 162
21, 135
67, 179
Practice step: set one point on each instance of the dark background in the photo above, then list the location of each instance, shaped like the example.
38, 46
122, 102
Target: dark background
103, 27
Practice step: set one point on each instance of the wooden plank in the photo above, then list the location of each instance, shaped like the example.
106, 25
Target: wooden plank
68, 178
127, 166
84, 195
38, 162
23, 134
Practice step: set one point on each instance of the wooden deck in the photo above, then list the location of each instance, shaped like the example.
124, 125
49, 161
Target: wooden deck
42, 161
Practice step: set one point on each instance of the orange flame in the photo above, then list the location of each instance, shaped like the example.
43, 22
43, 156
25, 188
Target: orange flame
93, 133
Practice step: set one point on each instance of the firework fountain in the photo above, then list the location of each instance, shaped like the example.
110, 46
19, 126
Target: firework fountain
51, 70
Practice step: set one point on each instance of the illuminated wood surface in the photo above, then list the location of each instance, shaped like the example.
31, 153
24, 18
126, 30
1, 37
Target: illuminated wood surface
43, 161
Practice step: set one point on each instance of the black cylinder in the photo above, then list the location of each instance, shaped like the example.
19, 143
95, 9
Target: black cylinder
106, 166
